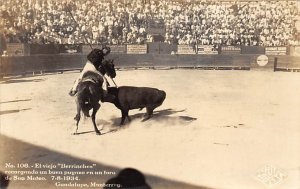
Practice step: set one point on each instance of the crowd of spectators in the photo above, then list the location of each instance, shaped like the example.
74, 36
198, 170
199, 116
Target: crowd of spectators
265, 23
203, 22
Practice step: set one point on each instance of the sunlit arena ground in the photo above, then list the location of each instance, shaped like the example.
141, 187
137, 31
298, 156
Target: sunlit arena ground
216, 129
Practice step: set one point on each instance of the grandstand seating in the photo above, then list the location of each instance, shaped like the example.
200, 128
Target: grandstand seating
250, 23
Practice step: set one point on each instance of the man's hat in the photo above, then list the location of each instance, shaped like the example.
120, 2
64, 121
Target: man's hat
95, 56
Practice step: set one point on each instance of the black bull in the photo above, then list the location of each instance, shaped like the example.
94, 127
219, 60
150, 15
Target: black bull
128, 98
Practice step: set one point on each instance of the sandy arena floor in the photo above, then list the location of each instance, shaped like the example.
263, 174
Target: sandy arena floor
216, 129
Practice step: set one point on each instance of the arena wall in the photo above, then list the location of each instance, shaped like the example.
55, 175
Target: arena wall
32, 63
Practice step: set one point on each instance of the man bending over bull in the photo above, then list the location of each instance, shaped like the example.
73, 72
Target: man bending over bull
95, 58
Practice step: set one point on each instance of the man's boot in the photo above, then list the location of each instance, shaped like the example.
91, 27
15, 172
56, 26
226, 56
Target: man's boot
72, 92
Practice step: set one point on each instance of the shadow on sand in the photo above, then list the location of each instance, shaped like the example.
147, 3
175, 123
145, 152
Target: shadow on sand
13, 111
161, 115
9, 81
11, 101
165, 115
92, 131
17, 152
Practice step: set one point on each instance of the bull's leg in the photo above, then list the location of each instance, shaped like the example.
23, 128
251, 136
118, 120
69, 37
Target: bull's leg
149, 112
129, 119
95, 109
123, 117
